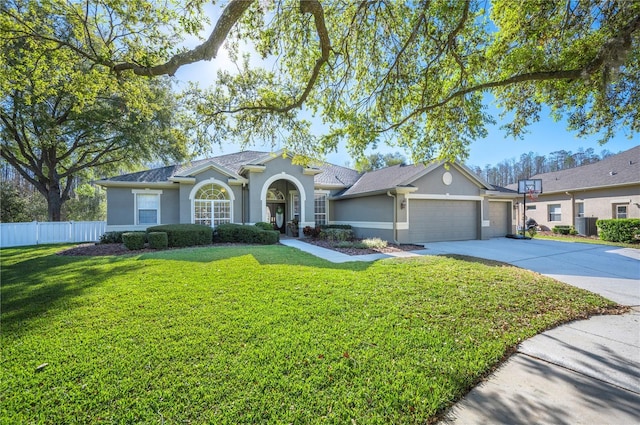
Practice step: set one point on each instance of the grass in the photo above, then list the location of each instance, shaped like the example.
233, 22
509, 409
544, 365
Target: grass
582, 239
259, 335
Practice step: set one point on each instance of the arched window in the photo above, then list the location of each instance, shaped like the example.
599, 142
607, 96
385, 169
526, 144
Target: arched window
275, 195
212, 205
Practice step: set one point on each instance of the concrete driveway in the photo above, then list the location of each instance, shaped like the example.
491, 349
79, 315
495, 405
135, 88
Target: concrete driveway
609, 271
584, 372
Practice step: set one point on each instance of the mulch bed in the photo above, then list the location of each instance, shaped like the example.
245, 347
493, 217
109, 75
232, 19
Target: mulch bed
364, 251
93, 250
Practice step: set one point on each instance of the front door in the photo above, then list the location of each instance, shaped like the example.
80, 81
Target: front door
277, 216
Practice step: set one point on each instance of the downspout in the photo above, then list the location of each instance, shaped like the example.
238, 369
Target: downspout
395, 219
573, 208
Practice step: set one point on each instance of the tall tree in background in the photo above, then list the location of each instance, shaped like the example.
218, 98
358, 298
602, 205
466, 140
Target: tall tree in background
375, 161
414, 74
509, 171
62, 115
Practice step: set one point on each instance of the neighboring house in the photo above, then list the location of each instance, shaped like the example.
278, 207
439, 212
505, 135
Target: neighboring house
403, 203
609, 188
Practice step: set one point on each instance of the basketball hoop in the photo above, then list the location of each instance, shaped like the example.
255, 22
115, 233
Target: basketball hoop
533, 194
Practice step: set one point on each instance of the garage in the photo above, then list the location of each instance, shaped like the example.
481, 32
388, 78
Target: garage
440, 220
499, 219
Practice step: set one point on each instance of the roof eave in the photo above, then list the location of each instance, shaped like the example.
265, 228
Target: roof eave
136, 185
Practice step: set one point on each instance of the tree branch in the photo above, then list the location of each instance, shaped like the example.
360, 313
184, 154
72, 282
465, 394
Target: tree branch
611, 55
206, 51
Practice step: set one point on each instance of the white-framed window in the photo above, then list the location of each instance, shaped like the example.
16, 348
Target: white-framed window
212, 205
621, 211
320, 207
579, 209
146, 206
555, 212
295, 204
531, 207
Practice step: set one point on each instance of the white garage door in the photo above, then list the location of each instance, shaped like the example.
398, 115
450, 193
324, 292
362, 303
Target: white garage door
498, 216
435, 220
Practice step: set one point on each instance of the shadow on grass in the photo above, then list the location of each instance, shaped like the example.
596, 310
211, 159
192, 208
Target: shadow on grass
263, 254
478, 260
29, 291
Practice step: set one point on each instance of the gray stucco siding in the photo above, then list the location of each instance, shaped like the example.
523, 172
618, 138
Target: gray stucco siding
170, 206
378, 208
432, 183
120, 206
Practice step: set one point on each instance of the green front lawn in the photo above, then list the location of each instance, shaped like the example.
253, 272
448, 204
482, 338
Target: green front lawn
259, 335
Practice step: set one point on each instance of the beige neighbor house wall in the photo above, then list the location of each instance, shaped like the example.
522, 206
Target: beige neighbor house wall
601, 203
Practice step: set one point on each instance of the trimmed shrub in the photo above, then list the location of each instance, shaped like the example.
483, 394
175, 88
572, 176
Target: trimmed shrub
181, 235
133, 240
238, 233
619, 230
158, 240
335, 226
111, 237
562, 230
264, 225
336, 235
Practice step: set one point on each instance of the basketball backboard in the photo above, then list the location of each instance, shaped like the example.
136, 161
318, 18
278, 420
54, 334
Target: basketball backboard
530, 185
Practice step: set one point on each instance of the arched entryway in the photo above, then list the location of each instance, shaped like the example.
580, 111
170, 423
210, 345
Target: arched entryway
283, 199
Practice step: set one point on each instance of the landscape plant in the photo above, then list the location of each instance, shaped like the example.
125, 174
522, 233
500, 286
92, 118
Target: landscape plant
259, 334
626, 230
133, 240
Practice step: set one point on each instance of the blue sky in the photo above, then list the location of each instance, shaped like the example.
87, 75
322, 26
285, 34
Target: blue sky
542, 138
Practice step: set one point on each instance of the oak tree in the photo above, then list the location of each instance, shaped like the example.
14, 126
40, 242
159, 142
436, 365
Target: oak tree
414, 74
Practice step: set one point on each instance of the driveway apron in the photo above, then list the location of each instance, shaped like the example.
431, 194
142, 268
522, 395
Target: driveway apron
584, 372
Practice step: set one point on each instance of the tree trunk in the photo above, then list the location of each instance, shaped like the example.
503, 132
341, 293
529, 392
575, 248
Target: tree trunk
54, 203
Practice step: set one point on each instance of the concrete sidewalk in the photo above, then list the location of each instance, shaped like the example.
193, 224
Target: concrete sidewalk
584, 372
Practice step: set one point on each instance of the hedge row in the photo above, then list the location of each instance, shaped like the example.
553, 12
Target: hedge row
238, 233
183, 235
619, 230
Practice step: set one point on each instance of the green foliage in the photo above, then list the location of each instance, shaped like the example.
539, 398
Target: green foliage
158, 240
133, 240
238, 233
89, 203
561, 230
20, 205
374, 243
111, 237
62, 115
335, 226
626, 230
336, 235
181, 235
264, 226
414, 76
375, 161
260, 334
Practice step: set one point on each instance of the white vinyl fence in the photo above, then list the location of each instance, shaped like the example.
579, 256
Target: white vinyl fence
36, 233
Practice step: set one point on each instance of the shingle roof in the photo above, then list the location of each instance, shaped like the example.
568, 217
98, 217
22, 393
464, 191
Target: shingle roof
616, 170
332, 175
387, 178
335, 175
154, 175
